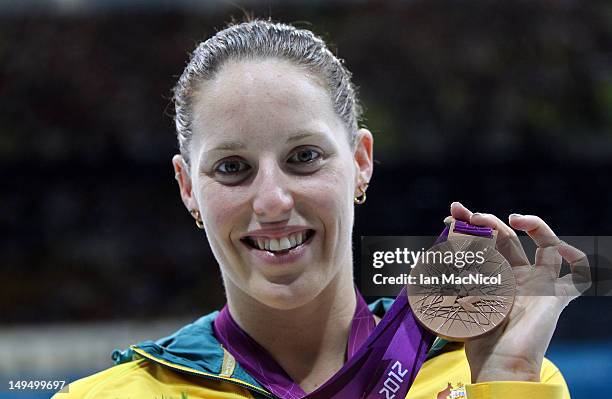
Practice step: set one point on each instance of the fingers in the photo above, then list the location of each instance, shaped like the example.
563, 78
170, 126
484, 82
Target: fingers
543, 236
507, 242
578, 261
535, 227
550, 248
460, 212
489, 220
578, 281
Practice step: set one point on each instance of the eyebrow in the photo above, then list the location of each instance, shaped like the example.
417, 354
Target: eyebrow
229, 146
238, 145
300, 136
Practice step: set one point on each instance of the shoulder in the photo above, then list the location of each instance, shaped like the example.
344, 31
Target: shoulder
145, 379
186, 364
551, 374
448, 374
90, 386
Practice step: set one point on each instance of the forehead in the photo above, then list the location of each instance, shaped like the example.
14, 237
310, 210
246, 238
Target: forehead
262, 100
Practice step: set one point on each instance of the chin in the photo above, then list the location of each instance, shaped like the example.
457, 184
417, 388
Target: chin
286, 294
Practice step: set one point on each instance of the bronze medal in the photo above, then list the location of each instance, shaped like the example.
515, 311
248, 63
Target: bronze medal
458, 296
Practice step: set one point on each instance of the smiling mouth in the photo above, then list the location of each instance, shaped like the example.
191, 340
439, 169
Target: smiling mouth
279, 245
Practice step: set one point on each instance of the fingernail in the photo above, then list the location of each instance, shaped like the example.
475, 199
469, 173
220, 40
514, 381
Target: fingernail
457, 203
476, 214
516, 215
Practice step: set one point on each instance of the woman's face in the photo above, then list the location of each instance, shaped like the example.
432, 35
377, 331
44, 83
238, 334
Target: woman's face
273, 176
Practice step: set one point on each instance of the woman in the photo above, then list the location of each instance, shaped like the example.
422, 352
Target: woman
271, 163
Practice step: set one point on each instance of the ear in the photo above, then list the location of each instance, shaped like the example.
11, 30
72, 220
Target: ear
364, 159
181, 171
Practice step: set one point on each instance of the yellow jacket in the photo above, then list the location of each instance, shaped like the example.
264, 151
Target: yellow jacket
192, 364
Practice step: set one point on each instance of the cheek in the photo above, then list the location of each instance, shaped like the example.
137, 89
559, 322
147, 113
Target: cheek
330, 193
220, 205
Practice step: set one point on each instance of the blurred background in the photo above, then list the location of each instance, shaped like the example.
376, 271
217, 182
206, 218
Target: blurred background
504, 106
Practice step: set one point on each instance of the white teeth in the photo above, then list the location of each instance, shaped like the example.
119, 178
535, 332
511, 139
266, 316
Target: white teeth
285, 243
272, 244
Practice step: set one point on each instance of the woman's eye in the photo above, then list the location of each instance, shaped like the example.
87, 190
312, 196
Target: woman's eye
232, 167
305, 156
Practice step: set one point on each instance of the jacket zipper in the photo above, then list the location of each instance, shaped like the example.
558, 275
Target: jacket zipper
186, 370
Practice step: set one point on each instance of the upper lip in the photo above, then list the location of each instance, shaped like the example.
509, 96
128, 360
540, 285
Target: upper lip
277, 232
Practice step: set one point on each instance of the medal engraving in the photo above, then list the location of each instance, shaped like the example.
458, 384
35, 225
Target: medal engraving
459, 296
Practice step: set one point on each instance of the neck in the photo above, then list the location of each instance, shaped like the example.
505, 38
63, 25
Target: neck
308, 342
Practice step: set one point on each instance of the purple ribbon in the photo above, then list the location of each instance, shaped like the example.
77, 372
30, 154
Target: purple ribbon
383, 359
470, 229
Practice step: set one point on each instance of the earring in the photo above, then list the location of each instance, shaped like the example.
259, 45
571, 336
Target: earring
198, 220
362, 197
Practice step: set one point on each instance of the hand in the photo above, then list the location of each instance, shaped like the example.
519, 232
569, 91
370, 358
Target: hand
515, 350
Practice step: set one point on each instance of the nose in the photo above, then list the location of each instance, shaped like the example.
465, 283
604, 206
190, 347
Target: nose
273, 200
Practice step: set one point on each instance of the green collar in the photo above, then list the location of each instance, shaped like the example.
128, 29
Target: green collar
195, 349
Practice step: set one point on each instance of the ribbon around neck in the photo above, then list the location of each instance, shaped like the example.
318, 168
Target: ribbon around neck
382, 360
